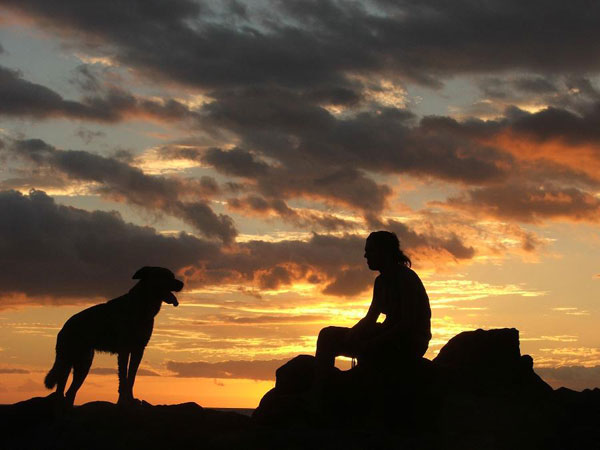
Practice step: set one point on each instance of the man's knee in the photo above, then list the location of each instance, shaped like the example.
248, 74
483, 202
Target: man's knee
331, 334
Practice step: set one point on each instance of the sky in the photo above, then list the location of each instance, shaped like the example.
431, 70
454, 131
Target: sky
251, 147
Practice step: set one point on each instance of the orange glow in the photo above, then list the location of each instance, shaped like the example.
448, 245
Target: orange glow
218, 393
579, 157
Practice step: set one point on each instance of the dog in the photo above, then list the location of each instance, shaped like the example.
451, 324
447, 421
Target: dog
121, 326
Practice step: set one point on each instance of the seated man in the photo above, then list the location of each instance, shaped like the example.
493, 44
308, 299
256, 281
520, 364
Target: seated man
399, 294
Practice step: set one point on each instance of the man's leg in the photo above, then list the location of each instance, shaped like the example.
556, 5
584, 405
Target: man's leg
332, 342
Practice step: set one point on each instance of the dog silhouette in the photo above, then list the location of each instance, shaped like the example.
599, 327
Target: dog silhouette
121, 326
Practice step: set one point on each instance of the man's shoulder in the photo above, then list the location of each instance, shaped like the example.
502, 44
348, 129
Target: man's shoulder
407, 274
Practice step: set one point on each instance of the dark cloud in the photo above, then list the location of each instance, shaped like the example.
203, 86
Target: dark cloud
350, 281
252, 370
23, 98
120, 181
530, 203
555, 123
87, 135
336, 262
512, 88
413, 241
41, 179
235, 162
535, 85
316, 43
572, 377
59, 251
273, 264
273, 70
26, 99
315, 155
304, 137
253, 204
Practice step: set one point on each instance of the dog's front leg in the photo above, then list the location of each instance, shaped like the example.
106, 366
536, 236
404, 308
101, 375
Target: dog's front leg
134, 363
124, 392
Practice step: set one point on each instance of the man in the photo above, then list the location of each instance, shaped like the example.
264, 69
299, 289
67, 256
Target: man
399, 294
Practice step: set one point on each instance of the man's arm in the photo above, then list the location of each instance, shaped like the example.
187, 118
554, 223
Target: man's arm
404, 320
372, 314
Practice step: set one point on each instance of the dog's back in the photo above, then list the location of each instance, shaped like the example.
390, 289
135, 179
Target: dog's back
117, 325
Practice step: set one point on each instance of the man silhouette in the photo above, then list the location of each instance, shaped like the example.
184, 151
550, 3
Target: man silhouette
399, 294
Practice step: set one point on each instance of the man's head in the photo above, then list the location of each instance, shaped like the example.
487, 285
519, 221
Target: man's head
382, 250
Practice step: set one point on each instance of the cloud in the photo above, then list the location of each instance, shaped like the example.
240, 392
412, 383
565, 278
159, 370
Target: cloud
261, 319
252, 370
303, 136
530, 203
317, 44
334, 262
290, 148
572, 377
108, 371
13, 370
87, 135
23, 98
59, 251
30, 386
288, 143
65, 253
266, 208
235, 162
122, 182
274, 73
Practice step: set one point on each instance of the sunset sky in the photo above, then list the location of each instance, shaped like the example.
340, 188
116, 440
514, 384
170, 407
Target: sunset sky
252, 146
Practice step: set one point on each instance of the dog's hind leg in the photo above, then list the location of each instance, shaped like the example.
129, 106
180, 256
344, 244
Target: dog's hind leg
81, 367
63, 369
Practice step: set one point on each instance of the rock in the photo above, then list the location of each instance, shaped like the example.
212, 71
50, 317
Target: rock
489, 362
38, 424
486, 349
296, 375
476, 375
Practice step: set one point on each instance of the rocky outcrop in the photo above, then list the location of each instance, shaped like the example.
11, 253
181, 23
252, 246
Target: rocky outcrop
40, 423
488, 362
478, 393
478, 385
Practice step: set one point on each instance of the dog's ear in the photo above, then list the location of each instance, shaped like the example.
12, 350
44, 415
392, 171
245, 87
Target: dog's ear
142, 273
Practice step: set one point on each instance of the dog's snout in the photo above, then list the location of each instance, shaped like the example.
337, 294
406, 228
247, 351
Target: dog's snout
176, 285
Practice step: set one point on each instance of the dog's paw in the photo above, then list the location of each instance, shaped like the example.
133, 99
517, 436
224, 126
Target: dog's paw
129, 401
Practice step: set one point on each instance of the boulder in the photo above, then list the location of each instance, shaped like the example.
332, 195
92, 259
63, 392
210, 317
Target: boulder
296, 375
488, 362
475, 371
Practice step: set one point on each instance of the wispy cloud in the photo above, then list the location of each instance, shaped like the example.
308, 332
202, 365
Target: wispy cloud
253, 370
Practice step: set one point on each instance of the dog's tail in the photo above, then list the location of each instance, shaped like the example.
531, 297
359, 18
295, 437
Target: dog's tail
60, 370
52, 377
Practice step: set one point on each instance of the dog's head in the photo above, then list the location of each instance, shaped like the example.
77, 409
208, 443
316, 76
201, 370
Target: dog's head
161, 281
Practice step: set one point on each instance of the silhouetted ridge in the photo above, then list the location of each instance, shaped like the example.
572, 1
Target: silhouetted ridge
478, 393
